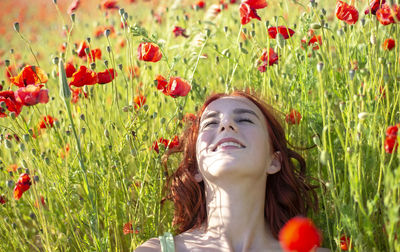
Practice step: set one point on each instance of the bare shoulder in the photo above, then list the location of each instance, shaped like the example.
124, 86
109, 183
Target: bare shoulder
152, 245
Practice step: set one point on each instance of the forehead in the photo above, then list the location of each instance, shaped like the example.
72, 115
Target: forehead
229, 103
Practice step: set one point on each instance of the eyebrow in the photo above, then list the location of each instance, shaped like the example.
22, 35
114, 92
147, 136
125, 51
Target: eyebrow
235, 111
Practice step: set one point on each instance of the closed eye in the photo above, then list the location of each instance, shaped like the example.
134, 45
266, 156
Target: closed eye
209, 123
245, 120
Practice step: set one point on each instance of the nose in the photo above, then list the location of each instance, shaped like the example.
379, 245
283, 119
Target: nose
227, 124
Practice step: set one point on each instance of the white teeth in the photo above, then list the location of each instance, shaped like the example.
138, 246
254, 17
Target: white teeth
229, 144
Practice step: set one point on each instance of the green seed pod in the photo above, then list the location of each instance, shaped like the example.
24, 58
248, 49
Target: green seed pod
73, 17
36, 178
33, 151
3, 105
106, 133
351, 74
13, 115
10, 184
47, 160
7, 62
316, 140
107, 33
226, 29
83, 130
320, 66
108, 49
26, 137
55, 60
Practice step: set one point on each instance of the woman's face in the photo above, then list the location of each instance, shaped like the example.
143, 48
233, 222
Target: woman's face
233, 139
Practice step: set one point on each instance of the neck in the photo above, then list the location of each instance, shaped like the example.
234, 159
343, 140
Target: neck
235, 212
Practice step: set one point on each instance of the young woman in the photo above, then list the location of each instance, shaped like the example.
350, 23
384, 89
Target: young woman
237, 184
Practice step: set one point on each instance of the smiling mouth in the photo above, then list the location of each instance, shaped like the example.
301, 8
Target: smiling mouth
228, 146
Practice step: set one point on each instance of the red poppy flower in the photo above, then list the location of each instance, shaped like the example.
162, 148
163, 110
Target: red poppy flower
74, 5
247, 10
389, 44
81, 49
167, 143
314, 41
75, 94
200, 4
12, 104
347, 13
161, 83
391, 131
299, 234
106, 76
391, 142
374, 6
10, 72
286, 32
128, 229
32, 95
294, 117
83, 76
179, 31
109, 5
69, 69
3, 199
139, 101
22, 185
268, 58
177, 87
46, 122
149, 52
385, 15
95, 54
29, 75
344, 243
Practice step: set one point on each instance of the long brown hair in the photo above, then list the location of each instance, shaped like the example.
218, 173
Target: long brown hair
287, 192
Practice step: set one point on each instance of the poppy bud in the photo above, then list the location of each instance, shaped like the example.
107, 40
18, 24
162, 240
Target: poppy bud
16, 26
162, 121
68, 132
26, 137
323, 11
55, 60
315, 26
10, 184
93, 66
87, 50
316, 140
8, 144
362, 20
73, 17
351, 74
22, 146
120, 66
208, 32
125, 15
108, 48
7, 62
225, 29
55, 1
107, 33
267, 23
106, 133
125, 109
83, 130
12, 115
33, 151
145, 107
3, 104
121, 11
320, 66
27, 171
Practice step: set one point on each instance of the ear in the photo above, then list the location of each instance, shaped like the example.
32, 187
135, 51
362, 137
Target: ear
198, 177
275, 165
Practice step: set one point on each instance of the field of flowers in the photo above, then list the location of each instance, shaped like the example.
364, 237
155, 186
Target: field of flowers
92, 94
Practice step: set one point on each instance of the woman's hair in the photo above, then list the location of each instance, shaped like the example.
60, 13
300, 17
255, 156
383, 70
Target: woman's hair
287, 192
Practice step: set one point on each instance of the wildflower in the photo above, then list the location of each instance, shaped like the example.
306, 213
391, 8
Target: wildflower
199, 4
167, 143
109, 5
344, 243
99, 31
294, 117
385, 15
128, 229
389, 44
268, 58
139, 101
10, 72
22, 185
12, 105
177, 87
299, 234
374, 6
64, 151
41, 202
69, 69
81, 49
149, 52
83, 76
95, 54
347, 13
46, 122
286, 32
31, 95
29, 75
179, 31
74, 5
162, 84
314, 40
75, 94
12, 168
3, 199
248, 9
106, 76
391, 142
